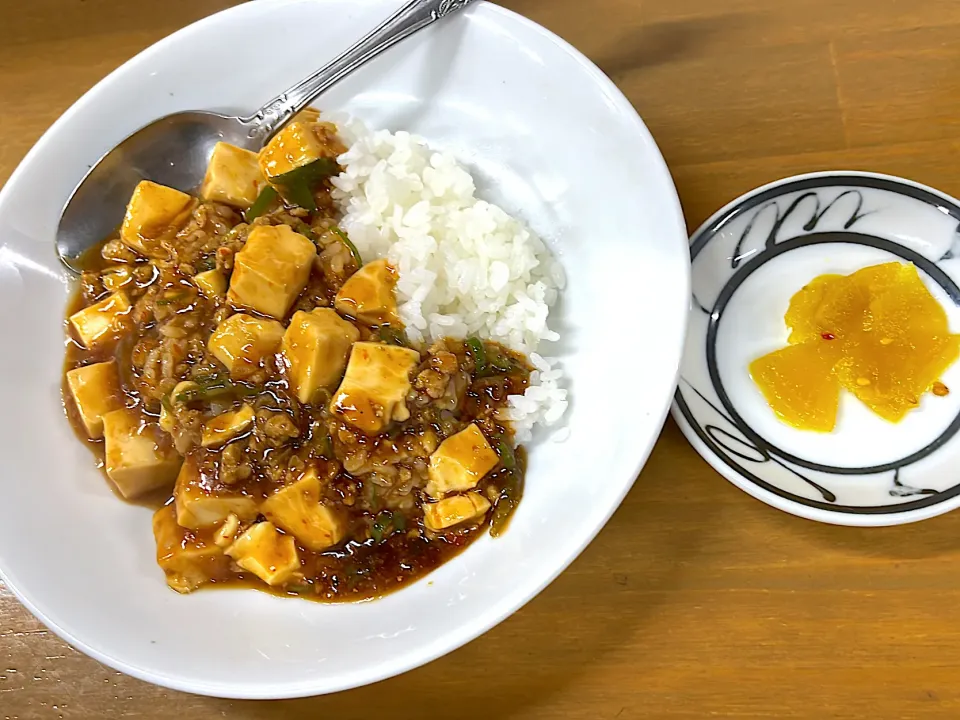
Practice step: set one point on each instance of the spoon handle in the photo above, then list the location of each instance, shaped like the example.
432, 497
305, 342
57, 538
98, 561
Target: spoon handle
413, 16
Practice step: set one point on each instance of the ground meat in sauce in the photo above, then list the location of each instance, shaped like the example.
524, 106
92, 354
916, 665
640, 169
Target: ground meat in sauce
375, 485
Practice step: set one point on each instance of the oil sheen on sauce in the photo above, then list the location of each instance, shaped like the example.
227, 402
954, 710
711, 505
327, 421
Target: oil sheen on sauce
877, 333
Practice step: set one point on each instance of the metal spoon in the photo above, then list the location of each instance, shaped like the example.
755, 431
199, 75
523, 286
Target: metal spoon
175, 150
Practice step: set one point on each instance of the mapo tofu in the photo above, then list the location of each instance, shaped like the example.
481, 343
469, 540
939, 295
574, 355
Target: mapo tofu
232, 354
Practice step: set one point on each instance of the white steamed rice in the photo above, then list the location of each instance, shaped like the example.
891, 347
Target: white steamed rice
466, 266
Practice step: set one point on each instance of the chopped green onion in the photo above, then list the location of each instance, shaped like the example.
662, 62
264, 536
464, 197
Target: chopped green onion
207, 393
372, 500
211, 387
494, 362
521, 458
479, 354
306, 231
208, 379
399, 522
207, 263
350, 246
501, 363
327, 447
392, 336
511, 492
506, 504
267, 197
175, 297
384, 520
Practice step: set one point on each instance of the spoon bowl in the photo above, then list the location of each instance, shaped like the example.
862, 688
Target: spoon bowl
97, 205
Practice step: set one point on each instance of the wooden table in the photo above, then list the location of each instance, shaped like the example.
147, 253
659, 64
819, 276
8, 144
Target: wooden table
696, 600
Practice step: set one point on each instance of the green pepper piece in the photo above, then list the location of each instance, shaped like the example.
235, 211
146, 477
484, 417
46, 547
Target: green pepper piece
392, 336
265, 199
479, 354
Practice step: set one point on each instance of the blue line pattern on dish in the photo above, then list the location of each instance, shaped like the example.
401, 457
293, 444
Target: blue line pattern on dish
954, 250
719, 435
809, 226
901, 490
734, 444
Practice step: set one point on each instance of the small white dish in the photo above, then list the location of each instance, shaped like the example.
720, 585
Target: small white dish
547, 136
748, 261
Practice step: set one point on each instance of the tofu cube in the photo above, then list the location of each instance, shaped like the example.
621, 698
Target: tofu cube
211, 283
316, 346
202, 502
271, 270
116, 278
154, 214
460, 462
227, 426
294, 146
233, 177
138, 455
374, 389
267, 553
241, 342
297, 509
102, 321
307, 115
454, 511
187, 559
368, 295
95, 390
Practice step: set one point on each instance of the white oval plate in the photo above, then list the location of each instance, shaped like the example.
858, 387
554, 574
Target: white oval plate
547, 136
748, 261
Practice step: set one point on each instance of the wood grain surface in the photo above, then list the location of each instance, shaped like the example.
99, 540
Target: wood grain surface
695, 601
